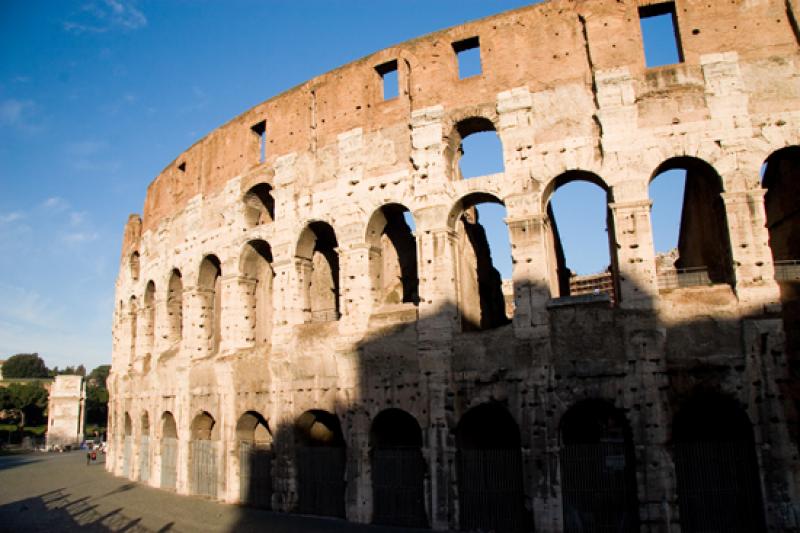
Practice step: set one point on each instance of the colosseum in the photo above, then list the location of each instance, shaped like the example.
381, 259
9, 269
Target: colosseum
309, 319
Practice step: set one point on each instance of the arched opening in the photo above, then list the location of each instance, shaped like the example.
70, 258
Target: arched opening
144, 448
255, 460
257, 270
320, 456
686, 194
319, 265
581, 244
203, 448
259, 206
483, 256
169, 451
209, 286
149, 317
175, 306
781, 180
134, 266
127, 457
398, 470
393, 257
598, 470
491, 494
133, 316
717, 471
474, 149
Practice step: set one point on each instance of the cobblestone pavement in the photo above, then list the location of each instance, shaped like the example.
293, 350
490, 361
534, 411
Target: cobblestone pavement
58, 492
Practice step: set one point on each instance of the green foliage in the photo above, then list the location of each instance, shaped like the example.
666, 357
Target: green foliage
79, 370
25, 365
97, 396
99, 375
28, 399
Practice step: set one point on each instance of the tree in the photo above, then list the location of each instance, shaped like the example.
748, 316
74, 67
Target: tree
25, 365
99, 375
27, 399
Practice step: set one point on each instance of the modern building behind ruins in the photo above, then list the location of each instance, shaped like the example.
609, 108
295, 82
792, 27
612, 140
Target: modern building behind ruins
286, 337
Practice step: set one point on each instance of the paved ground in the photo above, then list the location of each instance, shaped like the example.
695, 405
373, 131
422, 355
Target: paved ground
58, 492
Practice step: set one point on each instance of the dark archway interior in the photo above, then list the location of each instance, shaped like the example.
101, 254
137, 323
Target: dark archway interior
395, 428
402, 240
487, 426
259, 205
321, 459
718, 482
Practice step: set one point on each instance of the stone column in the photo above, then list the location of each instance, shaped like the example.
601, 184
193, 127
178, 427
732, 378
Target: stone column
753, 268
239, 313
636, 267
355, 298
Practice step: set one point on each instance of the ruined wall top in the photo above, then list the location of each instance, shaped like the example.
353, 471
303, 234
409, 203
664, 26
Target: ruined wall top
540, 47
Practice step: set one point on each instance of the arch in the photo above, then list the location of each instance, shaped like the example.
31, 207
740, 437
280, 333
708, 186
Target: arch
563, 280
144, 447
489, 464
133, 265
719, 487
319, 264
259, 205
320, 458
598, 470
482, 301
393, 261
175, 306
488, 148
209, 285
254, 441
149, 316
127, 451
203, 452
398, 470
781, 179
169, 451
133, 316
256, 268
703, 252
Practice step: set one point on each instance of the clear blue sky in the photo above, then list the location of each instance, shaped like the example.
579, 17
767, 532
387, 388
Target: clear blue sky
97, 96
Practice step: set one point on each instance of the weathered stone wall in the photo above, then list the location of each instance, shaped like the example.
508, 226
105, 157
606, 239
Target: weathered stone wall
565, 86
66, 411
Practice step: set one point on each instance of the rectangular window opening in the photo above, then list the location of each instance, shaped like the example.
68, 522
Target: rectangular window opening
391, 83
468, 54
259, 129
660, 36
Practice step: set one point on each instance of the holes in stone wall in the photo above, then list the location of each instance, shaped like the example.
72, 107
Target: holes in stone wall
393, 257
468, 55
660, 35
259, 130
389, 79
319, 272
582, 258
133, 312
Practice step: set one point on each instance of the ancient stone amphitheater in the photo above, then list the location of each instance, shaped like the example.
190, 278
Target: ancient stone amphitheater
309, 321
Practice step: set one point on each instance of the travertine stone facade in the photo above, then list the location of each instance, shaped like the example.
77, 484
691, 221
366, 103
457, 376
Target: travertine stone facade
285, 303
66, 411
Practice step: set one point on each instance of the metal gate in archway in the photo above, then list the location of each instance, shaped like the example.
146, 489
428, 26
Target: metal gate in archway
126, 458
398, 475
597, 490
169, 462
203, 467
320, 480
144, 458
718, 487
490, 490
255, 473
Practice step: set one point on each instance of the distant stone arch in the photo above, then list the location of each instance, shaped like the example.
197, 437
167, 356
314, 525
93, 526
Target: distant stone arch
319, 264
393, 256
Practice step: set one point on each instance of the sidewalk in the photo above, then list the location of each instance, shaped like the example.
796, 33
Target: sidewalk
58, 492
